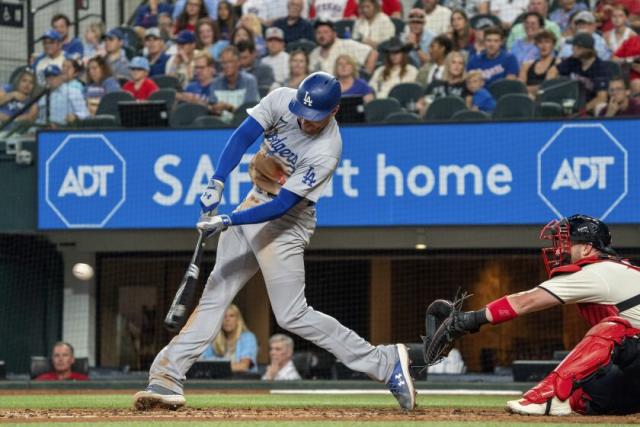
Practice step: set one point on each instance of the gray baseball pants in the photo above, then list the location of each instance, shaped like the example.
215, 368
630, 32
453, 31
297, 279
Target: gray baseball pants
276, 248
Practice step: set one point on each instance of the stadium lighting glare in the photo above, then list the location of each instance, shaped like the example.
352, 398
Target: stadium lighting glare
421, 246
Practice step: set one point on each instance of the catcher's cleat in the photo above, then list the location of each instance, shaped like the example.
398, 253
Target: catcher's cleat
401, 384
157, 397
554, 407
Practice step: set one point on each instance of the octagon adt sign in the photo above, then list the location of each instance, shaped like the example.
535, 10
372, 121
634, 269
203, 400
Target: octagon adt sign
85, 181
582, 168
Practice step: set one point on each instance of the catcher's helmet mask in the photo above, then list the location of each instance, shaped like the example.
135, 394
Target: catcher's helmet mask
574, 229
317, 96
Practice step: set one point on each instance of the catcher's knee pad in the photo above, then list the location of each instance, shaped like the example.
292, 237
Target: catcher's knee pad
594, 352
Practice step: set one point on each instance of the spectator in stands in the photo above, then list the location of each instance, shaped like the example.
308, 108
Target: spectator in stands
434, 69
298, 68
585, 22
201, 88
620, 104
66, 103
629, 52
323, 57
250, 63
234, 87
62, 360
165, 25
235, 342
158, 58
52, 55
415, 35
93, 40
252, 23
588, 69
525, 49
494, 62
266, 10
478, 37
479, 98
207, 38
147, 15
180, 65
533, 73
189, 17
14, 97
212, 8
562, 15
140, 85
72, 69
602, 12
372, 27
100, 78
470, 8
620, 31
333, 10
116, 57
295, 27
70, 45
396, 68
437, 17
392, 8
277, 58
281, 365
460, 32
452, 82
226, 20
508, 10
541, 7
347, 74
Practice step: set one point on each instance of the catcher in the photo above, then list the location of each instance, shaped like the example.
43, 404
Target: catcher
601, 375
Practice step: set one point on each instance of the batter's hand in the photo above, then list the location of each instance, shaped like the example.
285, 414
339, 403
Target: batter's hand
212, 225
210, 199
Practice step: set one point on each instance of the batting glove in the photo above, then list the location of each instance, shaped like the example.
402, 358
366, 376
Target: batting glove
210, 199
212, 225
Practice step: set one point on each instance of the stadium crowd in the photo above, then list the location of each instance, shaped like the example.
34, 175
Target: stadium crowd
500, 58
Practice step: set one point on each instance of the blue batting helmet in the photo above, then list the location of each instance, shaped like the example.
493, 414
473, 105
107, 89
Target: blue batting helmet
317, 95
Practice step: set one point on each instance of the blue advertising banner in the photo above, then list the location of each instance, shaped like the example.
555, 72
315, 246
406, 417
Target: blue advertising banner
475, 174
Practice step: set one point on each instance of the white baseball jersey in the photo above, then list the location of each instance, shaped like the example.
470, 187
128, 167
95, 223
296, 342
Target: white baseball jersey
606, 282
288, 158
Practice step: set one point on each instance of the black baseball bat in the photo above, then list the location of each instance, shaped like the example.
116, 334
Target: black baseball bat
185, 298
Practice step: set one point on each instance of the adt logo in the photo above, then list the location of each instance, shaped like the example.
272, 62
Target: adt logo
85, 181
582, 168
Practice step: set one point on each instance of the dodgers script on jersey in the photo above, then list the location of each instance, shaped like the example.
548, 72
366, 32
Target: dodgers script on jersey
605, 282
288, 158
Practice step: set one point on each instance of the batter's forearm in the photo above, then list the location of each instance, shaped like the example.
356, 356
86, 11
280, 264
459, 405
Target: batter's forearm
268, 211
241, 139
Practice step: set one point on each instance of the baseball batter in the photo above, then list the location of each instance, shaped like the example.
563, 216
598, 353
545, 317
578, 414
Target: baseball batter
269, 231
601, 375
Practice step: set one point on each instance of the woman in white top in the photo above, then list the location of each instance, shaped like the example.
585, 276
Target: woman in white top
373, 26
620, 31
396, 69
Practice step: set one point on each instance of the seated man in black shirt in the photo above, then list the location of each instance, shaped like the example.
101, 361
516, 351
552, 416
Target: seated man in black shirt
588, 69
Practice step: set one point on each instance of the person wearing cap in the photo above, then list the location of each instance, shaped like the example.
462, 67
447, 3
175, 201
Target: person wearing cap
70, 45
494, 62
200, 88
250, 63
396, 69
140, 85
52, 55
234, 87
562, 15
146, 16
588, 69
542, 7
180, 65
278, 58
116, 57
323, 57
156, 52
585, 22
415, 35
333, 10
372, 27
294, 26
437, 17
434, 69
65, 103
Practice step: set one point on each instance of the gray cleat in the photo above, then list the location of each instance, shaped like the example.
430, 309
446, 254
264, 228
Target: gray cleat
158, 397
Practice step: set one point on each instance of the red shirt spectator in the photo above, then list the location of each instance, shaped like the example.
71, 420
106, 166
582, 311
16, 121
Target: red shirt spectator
333, 10
53, 376
140, 85
630, 48
392, 8
62, 360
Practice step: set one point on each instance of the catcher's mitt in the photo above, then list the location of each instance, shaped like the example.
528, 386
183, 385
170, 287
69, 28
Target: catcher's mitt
442, 323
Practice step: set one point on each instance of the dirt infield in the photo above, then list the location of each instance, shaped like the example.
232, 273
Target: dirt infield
296, 414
